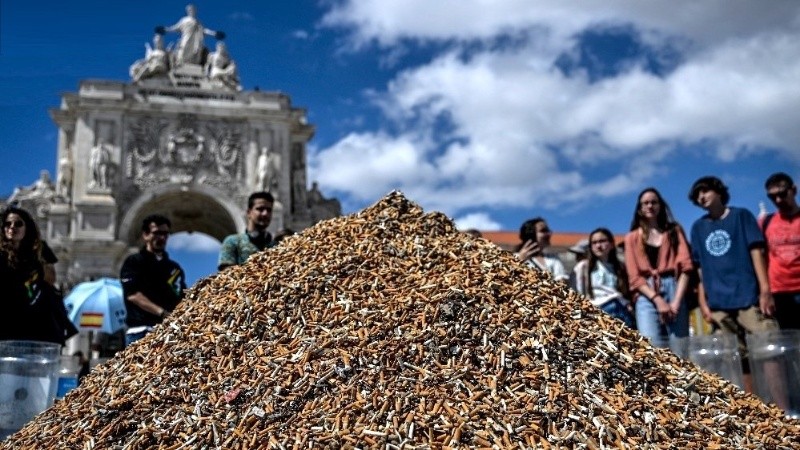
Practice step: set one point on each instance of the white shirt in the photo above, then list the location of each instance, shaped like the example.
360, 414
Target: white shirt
604, 283
551, 264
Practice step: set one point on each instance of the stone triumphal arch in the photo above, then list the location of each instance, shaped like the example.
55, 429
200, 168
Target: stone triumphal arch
181, 138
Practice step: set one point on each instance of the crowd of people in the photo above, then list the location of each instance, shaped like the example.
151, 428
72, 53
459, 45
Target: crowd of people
742, 273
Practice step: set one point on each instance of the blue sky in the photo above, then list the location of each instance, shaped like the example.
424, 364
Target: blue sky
492, 112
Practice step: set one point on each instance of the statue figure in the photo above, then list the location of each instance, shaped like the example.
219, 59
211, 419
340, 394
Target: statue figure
64, 178
268, 166
298, 180
220, 67
155, 62
191, 49
314, 195
99, 165
320, 207
41, 189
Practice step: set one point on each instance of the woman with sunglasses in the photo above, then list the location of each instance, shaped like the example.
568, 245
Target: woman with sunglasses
603, 278
30, 310
658, 262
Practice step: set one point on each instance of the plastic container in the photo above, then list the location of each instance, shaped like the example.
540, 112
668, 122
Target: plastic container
679, 346
28, 375
719, 354
775, 365
69, 368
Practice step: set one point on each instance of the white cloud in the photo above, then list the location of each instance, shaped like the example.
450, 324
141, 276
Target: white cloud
479, 221
501, 126
390, 21
300, 34
193, 242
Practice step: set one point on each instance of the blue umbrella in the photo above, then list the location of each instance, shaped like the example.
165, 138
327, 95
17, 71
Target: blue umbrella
97, 305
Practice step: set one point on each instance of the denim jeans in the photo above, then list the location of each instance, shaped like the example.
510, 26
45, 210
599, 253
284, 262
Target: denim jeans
130, 338
662, 335
617, 309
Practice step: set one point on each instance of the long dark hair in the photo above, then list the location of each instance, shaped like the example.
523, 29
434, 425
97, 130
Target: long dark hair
31, 246
613, 261
527, 231
664, 220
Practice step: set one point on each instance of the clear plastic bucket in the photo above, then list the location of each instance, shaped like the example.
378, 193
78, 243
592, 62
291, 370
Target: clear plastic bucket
28, 381
775, 365
719, 354
69, 368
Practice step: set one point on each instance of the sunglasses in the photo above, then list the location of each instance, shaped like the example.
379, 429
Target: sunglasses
160, 233
14, 223
776, 195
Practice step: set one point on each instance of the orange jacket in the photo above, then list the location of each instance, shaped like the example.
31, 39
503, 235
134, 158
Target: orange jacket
669, 262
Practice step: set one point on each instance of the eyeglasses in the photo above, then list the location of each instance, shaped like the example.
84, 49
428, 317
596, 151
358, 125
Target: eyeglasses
13, 223
160, 233
599, 241
779, 194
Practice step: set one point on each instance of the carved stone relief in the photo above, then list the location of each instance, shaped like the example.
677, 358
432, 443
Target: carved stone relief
185, 151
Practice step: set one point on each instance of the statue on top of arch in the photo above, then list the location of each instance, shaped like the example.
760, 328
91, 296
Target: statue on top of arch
190, 55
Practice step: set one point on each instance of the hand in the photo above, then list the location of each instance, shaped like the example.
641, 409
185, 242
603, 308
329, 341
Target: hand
529, 248
664, 312
767, 304
675, 307
706, 312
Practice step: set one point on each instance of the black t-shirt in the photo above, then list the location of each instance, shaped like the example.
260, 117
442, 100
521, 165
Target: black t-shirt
652, 254
162, 281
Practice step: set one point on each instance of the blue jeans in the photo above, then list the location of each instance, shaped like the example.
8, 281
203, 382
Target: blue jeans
130, 338
617, 309
662, 335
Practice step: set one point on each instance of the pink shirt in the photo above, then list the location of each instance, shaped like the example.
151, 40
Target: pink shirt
638, 266
783, 253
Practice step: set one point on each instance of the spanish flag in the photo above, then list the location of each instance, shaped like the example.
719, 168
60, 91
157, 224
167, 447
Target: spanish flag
92, 320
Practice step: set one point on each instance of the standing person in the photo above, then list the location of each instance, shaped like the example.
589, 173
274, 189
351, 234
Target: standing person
782, 233
603, 278
31, 309
152, 283
236, 248
535, 236
658, 262
728, 247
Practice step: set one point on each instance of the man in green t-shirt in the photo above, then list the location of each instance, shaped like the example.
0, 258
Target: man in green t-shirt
236, 248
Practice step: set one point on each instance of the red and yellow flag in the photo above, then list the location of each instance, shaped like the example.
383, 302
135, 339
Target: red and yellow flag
92, 320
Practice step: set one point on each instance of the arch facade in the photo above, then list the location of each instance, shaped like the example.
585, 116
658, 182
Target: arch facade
191, 151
